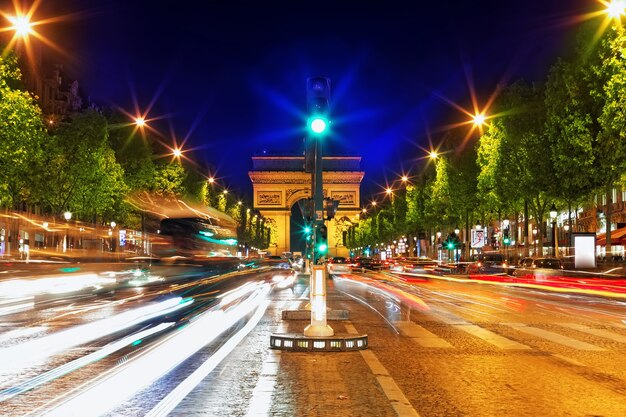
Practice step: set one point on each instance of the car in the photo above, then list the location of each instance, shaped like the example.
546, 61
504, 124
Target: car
489, 263
540, 268
396, 264
525, 262
419, 265
274, 261
366, 263
338, 265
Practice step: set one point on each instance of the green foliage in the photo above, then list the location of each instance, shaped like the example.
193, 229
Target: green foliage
21, 137
569, 125
169, 179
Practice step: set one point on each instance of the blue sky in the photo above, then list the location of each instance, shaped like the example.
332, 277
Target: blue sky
231, 75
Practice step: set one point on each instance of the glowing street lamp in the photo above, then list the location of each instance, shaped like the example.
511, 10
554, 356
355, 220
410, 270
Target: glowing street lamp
479, 119
404, 178
21, 25
177, 153
211, 180
389, 191
433, 155
67, 216
140, 121
616, 8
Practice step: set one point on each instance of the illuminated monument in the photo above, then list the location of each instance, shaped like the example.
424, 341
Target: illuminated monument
279, 182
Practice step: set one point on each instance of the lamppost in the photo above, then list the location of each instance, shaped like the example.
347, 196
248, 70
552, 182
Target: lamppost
535, 241
67, 216
567, 238
553, 214
457, 251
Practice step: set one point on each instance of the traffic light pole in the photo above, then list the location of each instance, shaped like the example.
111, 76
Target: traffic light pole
317, 190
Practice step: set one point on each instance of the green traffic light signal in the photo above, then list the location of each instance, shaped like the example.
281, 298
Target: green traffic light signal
450, 245
321, 248
318, 125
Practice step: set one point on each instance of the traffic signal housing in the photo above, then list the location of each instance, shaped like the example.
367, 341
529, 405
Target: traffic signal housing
318, 99
452, 242
321, 240
506, 238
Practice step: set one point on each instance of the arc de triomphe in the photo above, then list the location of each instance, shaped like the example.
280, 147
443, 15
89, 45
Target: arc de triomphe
279, 182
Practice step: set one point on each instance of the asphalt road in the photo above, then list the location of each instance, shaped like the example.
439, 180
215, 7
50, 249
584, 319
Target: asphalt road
437, 347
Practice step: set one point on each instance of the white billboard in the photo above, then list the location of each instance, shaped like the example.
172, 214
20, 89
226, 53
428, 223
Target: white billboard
479, 238
584, 250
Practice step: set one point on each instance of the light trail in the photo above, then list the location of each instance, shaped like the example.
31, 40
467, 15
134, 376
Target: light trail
52, 285
79, 363
16, 305
104, 395
15, 357
167, 404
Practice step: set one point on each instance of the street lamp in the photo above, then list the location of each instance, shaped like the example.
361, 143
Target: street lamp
616, 8
479, 119
535, 240
67, 216
553, 214
21, 25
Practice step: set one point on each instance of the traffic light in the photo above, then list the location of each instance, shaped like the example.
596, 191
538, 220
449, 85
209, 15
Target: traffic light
506, 239
318, 97
330, 208
452, 241
321, 239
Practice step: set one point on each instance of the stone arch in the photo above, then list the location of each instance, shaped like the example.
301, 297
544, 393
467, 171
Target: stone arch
297, 195
279, 182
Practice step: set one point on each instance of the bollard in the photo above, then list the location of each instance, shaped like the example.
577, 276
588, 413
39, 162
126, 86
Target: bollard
318, 326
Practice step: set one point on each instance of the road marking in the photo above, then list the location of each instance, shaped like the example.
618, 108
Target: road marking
477, 331
606, 334
554, 337
491, 337
399, 402
261, 400
420, 335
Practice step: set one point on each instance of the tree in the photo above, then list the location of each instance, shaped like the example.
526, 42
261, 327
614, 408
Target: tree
21, 136
611, 154
83, 174
525, 170
169, 178
133, 151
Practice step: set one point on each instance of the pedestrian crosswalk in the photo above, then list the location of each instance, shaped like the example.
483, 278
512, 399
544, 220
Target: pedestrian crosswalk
427, 339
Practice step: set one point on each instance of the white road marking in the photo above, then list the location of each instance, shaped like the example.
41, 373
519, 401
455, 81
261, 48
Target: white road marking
261, 400
420, 335
491, 337
606, 334
554, 337
399, 402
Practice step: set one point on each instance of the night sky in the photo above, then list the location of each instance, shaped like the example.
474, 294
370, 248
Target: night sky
231, 75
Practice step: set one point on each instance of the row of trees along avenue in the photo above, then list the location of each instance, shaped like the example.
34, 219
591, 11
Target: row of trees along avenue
561, 141
90, 162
